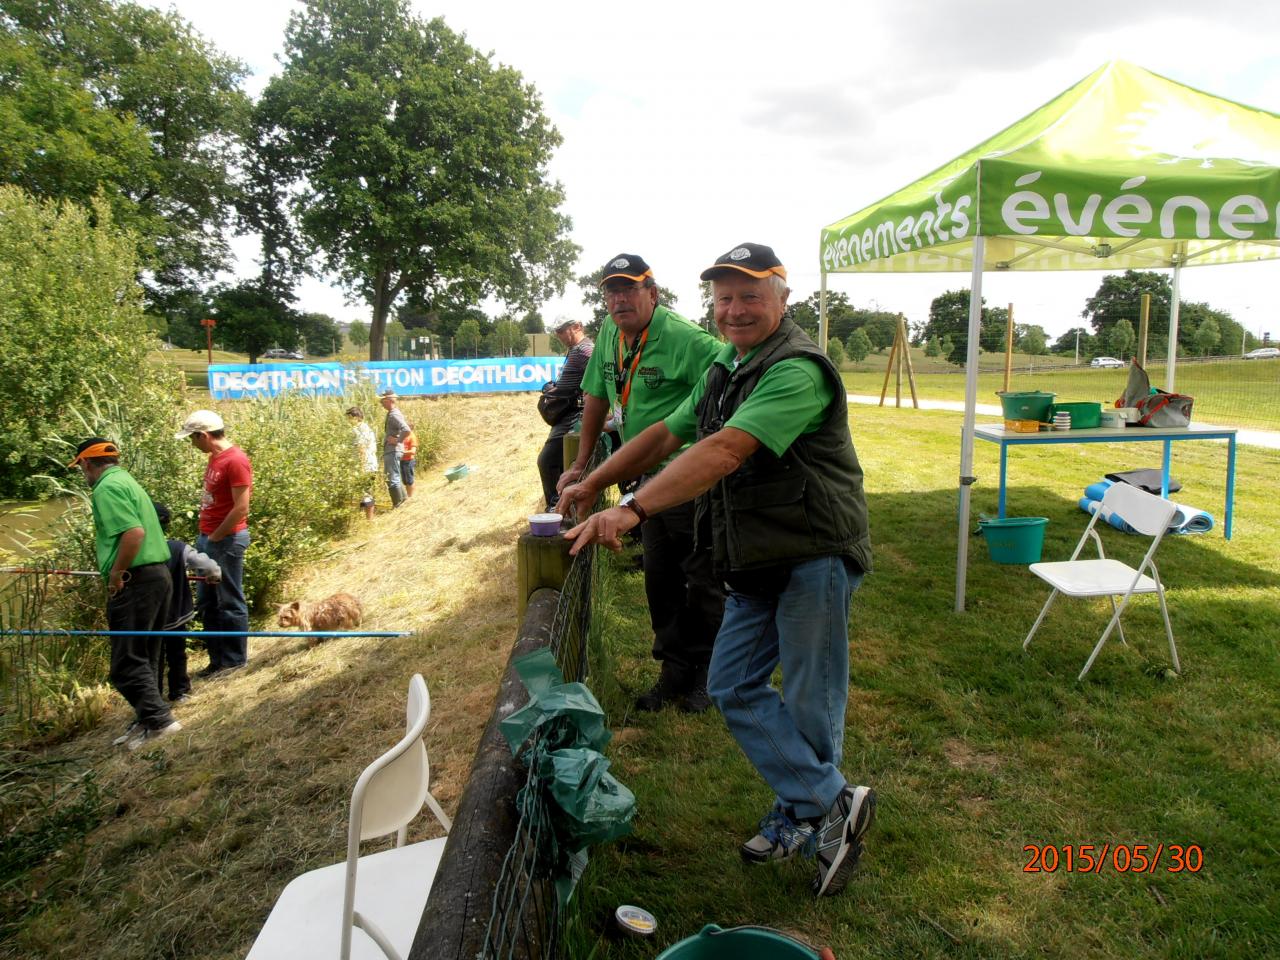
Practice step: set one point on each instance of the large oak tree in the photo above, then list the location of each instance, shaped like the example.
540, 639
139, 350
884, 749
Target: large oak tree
414, 164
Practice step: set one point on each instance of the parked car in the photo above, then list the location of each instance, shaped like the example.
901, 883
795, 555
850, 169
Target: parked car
275, 353
1263, 353
293, 355
1106, 362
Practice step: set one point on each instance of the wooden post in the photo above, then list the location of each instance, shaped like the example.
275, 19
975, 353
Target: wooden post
455, 921
540, 562
571, 443
906, 353
1143, 318
1008, 349
893, 358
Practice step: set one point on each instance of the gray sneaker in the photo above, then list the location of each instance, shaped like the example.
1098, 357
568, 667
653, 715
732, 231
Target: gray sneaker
130, 732
839, 838
147, 735
780, 838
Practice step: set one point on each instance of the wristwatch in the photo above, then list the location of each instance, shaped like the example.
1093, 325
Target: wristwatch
628, 502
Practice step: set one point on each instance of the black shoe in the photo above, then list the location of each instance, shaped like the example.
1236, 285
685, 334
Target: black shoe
671, 685
696, 700
209, 671
838, 838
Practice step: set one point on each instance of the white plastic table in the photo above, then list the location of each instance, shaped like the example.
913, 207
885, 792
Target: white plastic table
1167, 435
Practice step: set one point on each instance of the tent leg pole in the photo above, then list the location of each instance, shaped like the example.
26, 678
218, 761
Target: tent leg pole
1173, 322
970, 408
822, 311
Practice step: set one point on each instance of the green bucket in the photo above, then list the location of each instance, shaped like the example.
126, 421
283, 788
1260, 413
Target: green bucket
1014, 539
1026, 405
738, 943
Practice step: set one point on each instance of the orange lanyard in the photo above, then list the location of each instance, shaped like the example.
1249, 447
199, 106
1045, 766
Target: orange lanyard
622, 364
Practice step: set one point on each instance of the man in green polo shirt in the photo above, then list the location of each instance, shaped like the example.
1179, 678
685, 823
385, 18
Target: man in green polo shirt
646, 360
780, 487
132, 558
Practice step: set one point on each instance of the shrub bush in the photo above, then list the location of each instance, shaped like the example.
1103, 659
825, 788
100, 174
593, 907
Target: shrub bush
70, 305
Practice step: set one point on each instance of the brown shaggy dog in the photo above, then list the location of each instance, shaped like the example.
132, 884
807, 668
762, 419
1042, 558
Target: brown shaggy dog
342, 611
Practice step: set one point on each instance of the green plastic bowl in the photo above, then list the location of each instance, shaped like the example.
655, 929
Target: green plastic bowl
457, 472
738, 943
1026, 405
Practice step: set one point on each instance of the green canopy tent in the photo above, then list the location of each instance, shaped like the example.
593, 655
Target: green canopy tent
1125, 170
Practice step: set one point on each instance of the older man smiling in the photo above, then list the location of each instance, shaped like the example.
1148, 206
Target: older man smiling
780, 488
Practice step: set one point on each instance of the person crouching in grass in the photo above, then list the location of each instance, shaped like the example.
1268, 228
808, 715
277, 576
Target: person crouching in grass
132, 557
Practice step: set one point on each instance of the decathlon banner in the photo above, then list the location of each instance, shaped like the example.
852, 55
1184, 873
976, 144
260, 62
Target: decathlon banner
236, 381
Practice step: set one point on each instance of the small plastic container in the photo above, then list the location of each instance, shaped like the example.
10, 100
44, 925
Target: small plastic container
634, 921
545, 524
457, 472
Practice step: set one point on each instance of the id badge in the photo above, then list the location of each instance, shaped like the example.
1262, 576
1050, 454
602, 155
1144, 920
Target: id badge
616, 415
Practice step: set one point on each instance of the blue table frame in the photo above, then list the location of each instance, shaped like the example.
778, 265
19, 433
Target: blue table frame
1007, 438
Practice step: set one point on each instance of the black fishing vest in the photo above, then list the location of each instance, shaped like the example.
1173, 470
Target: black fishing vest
181, 609
776, 511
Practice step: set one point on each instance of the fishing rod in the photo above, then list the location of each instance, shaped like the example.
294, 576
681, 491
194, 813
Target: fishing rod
70, 573
206, 633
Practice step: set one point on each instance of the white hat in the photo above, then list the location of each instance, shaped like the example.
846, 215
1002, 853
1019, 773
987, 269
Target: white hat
202, 421
563, 321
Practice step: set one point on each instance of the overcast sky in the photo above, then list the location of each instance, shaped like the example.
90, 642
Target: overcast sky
690, 127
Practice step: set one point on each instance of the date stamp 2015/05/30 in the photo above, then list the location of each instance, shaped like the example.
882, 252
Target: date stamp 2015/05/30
1114, 857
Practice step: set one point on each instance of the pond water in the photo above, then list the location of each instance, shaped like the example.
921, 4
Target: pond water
25, 523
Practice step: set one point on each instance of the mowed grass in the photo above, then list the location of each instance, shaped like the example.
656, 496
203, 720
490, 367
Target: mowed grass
978, 750
1234, 392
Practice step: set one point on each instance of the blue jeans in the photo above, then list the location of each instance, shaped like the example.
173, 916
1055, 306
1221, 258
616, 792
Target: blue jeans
223, 607
391, 466
794, 740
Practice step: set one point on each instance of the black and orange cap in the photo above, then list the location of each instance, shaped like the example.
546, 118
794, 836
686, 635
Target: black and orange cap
94, 447
754, 259
626, 265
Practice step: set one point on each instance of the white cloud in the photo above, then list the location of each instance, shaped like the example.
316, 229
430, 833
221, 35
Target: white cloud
691, 127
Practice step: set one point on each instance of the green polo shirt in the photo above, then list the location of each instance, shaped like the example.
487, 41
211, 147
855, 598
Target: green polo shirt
119, 504
790, 400
675, 357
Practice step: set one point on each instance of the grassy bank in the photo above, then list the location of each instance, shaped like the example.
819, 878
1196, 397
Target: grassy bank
976, 749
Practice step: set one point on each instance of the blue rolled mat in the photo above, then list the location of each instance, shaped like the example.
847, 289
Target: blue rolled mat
1094, 491
1185, 519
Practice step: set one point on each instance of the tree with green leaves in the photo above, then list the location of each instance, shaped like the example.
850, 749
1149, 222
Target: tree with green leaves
415, 164
1121, 339
949, 319
358, 334
1207, 337
858, 345
119, 98
319, 332
71, 320
252, 319
469, 336
835, 352
507, 339
1031, 338
932, 347
1119, 297
1067, 342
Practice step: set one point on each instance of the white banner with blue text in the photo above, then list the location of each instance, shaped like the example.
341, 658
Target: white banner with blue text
235, 381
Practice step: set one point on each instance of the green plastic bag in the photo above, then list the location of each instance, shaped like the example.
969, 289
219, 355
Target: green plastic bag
566, 714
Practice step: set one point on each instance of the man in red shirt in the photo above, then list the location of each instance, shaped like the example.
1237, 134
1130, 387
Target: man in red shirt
224, 537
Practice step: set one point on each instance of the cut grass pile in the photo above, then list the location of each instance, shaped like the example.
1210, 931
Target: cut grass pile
975, 748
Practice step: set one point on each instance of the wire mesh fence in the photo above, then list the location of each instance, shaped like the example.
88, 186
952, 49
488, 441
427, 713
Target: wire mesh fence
525, 919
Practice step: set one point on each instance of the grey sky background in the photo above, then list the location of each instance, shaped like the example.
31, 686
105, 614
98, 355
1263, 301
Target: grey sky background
689, 128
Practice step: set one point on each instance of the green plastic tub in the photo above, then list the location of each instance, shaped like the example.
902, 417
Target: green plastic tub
1083, 415
1014, 539
738, 943
1026, 405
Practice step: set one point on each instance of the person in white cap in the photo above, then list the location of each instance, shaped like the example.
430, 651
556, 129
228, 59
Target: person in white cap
224, 537
561, 402
395, 430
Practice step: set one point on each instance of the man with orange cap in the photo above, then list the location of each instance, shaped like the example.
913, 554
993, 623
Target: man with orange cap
132, 557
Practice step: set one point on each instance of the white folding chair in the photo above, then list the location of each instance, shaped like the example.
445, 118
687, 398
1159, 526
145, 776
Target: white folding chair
316, 912
1103, 577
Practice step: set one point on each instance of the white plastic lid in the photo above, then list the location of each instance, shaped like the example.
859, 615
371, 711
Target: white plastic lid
635, 920
545, 518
